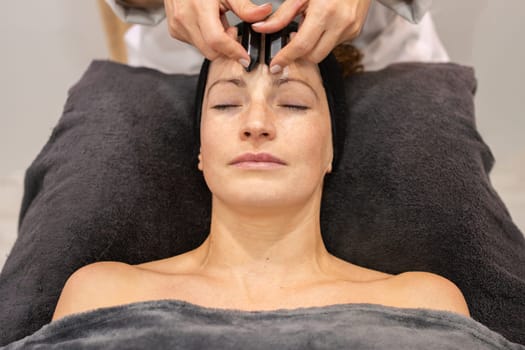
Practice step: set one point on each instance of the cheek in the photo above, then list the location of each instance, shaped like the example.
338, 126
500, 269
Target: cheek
215, 136
313, 141
208, 141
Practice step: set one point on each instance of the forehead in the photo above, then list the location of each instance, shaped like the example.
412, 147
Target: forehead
223, 68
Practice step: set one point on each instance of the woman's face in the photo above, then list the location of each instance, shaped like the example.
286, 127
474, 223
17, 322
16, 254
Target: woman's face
265, 139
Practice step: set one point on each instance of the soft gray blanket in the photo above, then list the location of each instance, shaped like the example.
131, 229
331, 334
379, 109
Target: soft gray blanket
173, 324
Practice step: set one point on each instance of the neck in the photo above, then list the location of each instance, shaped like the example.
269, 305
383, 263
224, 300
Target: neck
259, 246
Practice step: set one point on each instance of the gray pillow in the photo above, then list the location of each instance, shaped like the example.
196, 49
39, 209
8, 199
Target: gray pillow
117, 180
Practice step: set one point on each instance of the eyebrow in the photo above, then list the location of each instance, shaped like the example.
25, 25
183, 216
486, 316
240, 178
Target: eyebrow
239, 82
281, 81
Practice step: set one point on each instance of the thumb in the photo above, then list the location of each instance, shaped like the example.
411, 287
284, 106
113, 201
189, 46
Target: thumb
249, 12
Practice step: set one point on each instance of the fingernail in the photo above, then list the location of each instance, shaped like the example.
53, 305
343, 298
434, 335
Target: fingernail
257, 24
265, 4
244, 62
275, 69
292, 34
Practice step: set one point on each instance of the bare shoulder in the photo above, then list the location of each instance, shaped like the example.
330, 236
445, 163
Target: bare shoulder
431, 291
93, 286
181, 263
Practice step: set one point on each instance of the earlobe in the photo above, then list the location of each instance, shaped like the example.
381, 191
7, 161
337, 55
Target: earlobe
199, 164
329, 169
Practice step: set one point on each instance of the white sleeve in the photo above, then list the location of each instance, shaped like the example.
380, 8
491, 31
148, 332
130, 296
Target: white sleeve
411, 10
137, 15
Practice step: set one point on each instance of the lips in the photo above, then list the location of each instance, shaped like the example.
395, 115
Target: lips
258, 160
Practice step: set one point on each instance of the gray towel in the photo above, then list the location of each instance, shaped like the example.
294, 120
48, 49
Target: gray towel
180, 325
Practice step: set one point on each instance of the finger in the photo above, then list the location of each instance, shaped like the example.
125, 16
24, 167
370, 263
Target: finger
200, 44
175, 29
215, 37
179, 33
190, 32
302, 43
350, 33
232, 32
282, 17
248, 11
181, 29
224, 21
324, 46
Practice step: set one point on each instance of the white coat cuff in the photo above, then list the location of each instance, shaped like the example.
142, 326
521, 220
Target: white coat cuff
411, 10
137, 16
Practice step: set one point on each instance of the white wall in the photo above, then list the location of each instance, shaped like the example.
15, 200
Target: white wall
490, 35
45, 45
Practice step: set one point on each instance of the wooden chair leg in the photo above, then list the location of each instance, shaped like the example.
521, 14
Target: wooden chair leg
115, 30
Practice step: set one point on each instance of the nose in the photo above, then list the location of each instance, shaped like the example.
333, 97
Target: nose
258, 123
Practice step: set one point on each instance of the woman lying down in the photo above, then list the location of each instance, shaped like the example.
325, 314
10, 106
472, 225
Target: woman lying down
263, 278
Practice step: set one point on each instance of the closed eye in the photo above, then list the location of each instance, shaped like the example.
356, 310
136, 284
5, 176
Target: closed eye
225, 106
295, 107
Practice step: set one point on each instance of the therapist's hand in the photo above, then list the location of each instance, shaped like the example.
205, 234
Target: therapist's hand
203, 24
326, 24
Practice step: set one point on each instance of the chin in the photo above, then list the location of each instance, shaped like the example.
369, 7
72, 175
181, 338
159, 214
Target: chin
256, 195
262, 195
264, 190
